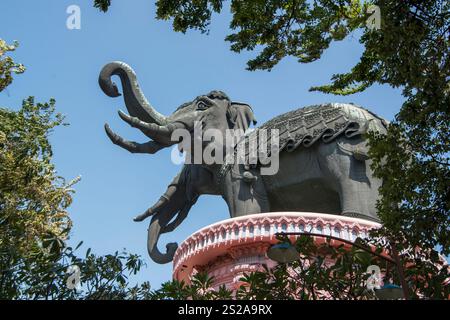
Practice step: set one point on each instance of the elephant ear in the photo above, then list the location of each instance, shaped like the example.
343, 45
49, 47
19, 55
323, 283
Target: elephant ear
241, 116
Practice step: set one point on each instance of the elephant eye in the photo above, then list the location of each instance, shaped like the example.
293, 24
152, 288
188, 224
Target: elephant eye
201, 105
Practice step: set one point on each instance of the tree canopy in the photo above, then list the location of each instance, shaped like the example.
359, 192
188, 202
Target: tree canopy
34, 223
7, 65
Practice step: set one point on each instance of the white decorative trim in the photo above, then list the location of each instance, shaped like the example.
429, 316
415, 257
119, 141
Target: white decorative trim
217, 239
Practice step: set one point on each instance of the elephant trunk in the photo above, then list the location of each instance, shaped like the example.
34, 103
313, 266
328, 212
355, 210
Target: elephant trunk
158, 223
135, 101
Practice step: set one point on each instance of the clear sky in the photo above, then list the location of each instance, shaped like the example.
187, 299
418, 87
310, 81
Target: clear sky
172, 68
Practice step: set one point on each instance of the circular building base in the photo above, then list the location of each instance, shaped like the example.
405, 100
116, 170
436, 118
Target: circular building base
232, 247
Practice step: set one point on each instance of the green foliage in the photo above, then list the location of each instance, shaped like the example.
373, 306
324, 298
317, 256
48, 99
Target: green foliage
188, 14
102, 5
325, 272
33, 200
200, 288
7, 64
34, 222
322, 272
277, 28
46, 277
412, 51
302, 29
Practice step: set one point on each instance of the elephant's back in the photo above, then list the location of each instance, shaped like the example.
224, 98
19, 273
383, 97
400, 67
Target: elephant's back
319, 123
311, 116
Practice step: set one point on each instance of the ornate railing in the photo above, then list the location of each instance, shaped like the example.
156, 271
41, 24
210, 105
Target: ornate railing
224, 237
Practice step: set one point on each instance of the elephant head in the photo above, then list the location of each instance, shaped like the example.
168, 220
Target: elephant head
213, 111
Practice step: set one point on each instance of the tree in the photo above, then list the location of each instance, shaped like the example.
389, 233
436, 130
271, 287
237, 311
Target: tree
34, 223
410, 50
102, 5
7, 64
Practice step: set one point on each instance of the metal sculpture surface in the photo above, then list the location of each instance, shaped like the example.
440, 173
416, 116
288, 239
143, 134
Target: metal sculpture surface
322, 154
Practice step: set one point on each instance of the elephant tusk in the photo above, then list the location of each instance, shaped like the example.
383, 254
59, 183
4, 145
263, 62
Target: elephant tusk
161, 134
151, 211
150, 147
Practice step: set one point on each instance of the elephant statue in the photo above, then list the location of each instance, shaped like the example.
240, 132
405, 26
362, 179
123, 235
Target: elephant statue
322, 155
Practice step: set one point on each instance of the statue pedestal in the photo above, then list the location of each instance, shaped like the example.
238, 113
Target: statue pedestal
232, 247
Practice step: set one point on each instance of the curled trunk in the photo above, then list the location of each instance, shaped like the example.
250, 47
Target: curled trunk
135, 101
159, 222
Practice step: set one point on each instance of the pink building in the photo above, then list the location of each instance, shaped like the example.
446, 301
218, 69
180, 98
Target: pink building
229, 248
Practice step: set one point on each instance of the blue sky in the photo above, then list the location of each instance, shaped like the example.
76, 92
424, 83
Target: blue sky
172, 68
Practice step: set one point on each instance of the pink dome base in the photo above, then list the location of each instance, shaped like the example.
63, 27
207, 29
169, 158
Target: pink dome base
232, 247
